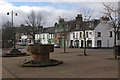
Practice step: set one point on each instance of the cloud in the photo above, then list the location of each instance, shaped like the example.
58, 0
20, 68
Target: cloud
54, 1
52, 14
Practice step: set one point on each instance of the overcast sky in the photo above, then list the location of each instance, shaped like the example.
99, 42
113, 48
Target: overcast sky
50, 9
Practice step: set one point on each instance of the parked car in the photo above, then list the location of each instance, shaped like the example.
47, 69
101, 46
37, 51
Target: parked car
56, 45
21, 43
18, 43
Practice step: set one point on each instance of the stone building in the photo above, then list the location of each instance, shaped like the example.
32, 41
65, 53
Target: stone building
63, 29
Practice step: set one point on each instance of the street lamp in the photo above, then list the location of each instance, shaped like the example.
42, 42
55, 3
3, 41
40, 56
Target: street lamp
12, 13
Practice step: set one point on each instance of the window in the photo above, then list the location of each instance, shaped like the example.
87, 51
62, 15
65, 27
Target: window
43, 36
73, 35
47, 36
52, 36
110, 33
90, 33
86, 34
90, 24
55, 35
118, 36
60, 25
56, 27
76, 35
67, 25
77, 26
99, 34
80, 34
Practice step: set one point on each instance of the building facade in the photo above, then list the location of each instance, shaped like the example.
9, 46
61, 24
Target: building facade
46, 37
63, 29
98, 34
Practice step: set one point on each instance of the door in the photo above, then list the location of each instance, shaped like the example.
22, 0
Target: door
81, 43
71, 43
60, 43
99, 45
64, 43
77, 44
89, 43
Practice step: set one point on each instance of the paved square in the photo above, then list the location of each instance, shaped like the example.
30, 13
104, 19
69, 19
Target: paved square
98, 64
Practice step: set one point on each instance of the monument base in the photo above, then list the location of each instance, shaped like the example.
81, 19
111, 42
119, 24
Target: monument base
14, 53
39, 63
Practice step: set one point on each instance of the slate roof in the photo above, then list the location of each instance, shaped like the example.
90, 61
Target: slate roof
73, 25
49, 30
85, 25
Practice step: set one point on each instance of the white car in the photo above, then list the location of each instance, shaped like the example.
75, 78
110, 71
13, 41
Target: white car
56, 45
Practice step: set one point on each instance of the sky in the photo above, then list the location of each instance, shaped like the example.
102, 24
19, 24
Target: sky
51, 10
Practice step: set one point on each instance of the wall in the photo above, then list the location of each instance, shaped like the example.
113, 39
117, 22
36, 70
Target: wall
90, 37
104, 27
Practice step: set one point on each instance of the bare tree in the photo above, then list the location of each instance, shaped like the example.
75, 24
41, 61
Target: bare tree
112, 12
87, 15
7, 33
35, 20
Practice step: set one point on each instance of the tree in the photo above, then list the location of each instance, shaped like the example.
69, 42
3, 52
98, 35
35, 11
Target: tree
35, 20
112, 12
23, 29
7, 32
86, 17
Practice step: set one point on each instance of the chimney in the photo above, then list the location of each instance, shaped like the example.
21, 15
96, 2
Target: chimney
104, 18
79, 17
61, 20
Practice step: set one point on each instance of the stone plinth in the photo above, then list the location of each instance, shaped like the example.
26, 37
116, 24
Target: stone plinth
40, 56
40, 52
14, 53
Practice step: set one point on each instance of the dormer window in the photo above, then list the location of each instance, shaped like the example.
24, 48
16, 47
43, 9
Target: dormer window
77, 26
66, 25
90, 24
56, 26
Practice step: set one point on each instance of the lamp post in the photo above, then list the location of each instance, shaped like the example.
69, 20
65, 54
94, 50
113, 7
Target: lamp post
12, 13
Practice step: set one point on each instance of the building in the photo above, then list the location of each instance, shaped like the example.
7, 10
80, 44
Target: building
98, 33
63, 29
46, 37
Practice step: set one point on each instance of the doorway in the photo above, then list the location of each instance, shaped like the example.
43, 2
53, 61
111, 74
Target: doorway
82, 43
99, 45
89, 43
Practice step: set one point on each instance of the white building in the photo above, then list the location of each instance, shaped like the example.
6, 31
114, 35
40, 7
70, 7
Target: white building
46, 37
97, 35
23, 39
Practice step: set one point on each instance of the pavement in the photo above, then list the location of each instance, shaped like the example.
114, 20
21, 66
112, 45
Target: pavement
99, 63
